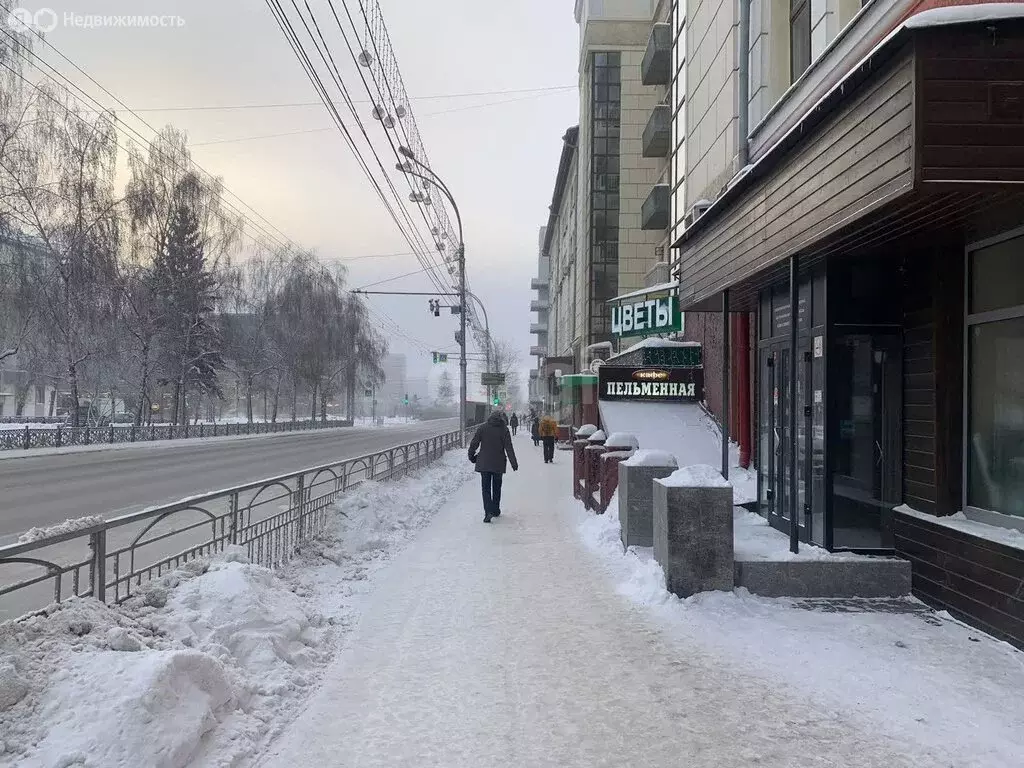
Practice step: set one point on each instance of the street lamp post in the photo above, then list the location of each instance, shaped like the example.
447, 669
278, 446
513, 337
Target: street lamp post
461, 254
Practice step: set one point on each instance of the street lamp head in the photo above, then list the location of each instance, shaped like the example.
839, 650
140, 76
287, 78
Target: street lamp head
403, 167
405, 151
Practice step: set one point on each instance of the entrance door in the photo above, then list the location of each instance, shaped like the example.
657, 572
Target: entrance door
781, 500
866, 438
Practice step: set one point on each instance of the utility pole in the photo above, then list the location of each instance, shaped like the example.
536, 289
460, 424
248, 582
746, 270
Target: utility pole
462, 341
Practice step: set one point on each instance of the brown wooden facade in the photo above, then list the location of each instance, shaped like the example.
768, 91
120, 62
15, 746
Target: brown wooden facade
919, 153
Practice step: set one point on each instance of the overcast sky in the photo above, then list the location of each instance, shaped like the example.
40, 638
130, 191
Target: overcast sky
499, 160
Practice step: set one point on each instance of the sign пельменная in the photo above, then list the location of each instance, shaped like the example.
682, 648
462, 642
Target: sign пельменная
649, 384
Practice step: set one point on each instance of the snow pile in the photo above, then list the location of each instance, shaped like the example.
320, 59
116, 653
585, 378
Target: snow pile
695, 476
206, 665
597, 436
644, 582
201, 663
585, 431
651, 457
68, 526
622, 440
683, 430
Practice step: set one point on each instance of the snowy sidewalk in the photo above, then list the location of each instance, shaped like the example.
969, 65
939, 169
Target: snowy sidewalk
508, 645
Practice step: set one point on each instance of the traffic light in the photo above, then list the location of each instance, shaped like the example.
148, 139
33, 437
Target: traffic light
435, 307
406, 401
440, 357
496, 402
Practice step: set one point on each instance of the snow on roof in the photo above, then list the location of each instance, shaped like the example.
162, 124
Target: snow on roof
660, 344
964, 14
651, 457
696, 476
660, 288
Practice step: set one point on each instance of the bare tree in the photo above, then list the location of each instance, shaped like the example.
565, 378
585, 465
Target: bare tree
445, 390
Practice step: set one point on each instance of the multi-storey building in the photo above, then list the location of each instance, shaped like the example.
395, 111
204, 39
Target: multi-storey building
850, 225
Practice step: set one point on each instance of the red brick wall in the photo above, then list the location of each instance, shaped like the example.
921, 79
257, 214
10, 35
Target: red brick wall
706, 328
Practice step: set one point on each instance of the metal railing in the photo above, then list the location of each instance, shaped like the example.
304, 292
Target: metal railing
61, 436
270, 518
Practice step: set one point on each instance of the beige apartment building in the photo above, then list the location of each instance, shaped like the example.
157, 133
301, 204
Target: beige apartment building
609, 217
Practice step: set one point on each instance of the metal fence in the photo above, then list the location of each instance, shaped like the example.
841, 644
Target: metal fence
270, 518
60, 435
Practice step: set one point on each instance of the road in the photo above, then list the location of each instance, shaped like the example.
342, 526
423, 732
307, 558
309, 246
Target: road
44, 490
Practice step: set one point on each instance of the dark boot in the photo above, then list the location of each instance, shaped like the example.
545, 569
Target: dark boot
487, 518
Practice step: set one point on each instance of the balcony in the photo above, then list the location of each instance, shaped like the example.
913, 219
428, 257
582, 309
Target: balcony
656, 68
657, 138
538, 351
538, 283
538, 327
540, 305
655, 212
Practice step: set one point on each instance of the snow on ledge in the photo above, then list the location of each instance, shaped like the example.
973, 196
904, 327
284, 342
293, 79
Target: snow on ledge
622, 440
597, 436
68, 526
696, 476
651, 457
659, 344
1008, 537
964, 14
586, 431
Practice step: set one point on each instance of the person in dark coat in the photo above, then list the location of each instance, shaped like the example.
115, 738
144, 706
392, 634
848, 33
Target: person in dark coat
491, 450
535, 431
514, 423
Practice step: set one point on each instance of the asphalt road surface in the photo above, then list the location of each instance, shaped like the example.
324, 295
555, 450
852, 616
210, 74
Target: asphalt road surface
45, 490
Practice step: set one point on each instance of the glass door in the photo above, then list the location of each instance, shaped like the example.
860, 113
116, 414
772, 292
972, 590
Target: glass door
866, 440
779, 499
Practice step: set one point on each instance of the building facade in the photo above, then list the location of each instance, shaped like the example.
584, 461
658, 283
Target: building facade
851, 198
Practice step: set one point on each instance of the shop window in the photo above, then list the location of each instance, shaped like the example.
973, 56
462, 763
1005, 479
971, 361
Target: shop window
995, 427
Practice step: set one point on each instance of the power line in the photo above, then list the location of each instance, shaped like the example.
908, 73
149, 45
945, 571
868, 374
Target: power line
83, 94
331, 128
299, 49
291, 105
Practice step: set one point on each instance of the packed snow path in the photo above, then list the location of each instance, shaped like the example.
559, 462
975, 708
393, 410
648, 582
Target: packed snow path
507, 645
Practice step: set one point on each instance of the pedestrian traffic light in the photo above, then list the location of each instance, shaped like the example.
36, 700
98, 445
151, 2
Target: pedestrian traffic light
435, 307
497, 401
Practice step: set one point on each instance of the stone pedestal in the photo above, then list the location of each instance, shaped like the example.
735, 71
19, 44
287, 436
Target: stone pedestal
693, 537
636, 502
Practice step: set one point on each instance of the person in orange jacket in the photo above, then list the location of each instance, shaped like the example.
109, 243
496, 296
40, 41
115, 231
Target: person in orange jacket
548, 433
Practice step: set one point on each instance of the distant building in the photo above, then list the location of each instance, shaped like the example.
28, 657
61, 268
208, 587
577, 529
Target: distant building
392, 392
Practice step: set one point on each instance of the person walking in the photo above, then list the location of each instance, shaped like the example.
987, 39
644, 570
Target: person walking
548, 433
514, 424
491, 450
535, 431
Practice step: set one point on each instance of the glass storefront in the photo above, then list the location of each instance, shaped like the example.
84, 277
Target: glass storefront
995, 377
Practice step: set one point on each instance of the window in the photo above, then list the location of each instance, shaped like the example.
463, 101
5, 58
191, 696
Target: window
995, 378
604, 190
40, 395
799, 38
